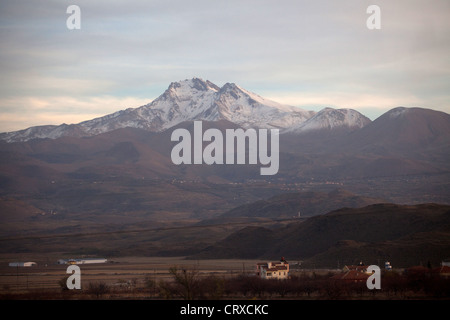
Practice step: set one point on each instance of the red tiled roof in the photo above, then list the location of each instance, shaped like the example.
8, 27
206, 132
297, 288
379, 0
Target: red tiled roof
442, 269
358, 267
275, 266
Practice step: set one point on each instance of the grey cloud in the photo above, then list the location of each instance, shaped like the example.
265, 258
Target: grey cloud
138, 47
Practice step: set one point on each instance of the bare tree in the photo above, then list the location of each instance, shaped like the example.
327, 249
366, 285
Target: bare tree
63, 283
186, 282
98, 288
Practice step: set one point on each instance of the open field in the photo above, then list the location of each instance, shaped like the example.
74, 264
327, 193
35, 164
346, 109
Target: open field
175, 278
125, 272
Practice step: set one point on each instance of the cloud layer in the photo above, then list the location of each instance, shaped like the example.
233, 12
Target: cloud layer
309, 54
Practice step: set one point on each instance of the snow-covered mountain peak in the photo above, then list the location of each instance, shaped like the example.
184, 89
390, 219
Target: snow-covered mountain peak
197, 99
191, 85
329, 119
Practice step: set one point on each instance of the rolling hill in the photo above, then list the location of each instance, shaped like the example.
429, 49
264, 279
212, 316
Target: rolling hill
300, 204
402, 234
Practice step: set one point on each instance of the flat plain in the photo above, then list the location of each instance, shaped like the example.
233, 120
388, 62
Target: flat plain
121, 272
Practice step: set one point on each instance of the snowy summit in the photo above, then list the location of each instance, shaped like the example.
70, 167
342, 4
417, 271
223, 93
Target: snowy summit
196, 99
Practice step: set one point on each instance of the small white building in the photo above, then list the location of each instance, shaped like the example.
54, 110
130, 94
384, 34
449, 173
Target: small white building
22, 264
387, 265
82, 261
273, 270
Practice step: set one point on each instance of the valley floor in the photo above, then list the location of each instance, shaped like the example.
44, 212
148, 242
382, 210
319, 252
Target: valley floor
170, 278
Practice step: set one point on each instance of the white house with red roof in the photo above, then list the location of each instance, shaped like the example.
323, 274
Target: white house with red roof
273, 270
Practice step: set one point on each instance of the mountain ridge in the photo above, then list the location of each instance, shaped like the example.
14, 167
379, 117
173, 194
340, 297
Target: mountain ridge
189, 100
196, 99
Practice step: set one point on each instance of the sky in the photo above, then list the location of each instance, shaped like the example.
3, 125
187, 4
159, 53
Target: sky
309, 54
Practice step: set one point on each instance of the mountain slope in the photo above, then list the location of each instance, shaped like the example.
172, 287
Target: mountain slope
252, 111
401, 129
